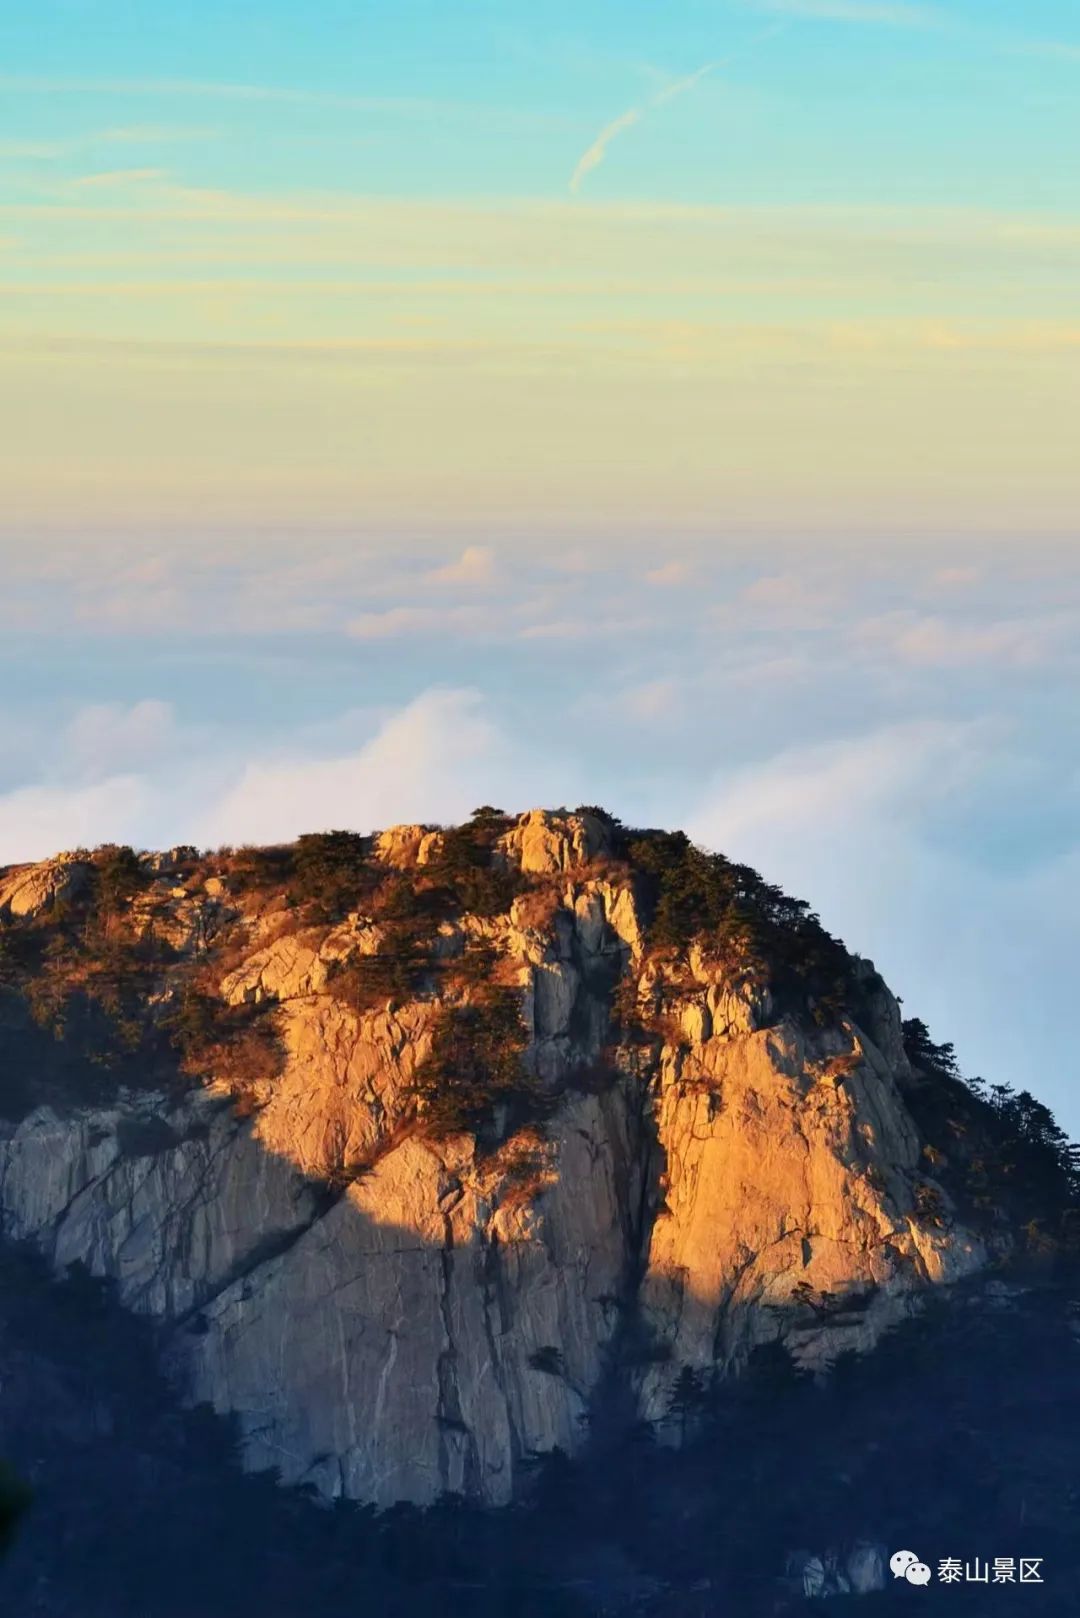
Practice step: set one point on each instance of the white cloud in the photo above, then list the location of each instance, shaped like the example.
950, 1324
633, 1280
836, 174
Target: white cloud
936, 642
38, 821
433, 760
777, 601
669, 573
114, 772
773, 808
475, 565
106, 737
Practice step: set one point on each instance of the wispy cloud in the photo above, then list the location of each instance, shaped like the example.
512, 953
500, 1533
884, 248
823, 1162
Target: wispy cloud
897, 15
678, 87
937, 642
212, 90
135, 135
34, 148
204, 90
148, 135
1062, 49
671, 573
111, 177
595, 154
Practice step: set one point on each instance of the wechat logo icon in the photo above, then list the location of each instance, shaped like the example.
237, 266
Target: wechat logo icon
906, 1565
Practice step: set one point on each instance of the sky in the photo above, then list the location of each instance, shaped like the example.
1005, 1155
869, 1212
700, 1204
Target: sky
406, 406
415, 261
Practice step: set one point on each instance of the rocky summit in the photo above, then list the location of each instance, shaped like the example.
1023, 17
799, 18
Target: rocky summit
432, 1153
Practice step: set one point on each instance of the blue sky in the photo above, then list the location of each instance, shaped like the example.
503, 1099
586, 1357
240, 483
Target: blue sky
665, 405
969, 104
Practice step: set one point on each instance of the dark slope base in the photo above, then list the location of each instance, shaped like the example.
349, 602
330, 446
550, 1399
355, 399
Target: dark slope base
957, 1438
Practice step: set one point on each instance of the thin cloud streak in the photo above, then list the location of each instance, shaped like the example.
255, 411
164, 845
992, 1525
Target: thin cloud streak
284, 95
117, 177
595, 154
1063, 51
211, 90
680, 86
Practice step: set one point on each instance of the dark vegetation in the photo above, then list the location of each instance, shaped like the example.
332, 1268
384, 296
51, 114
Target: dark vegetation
133, 1508
321, 876
325, 875
73, 988
14, 1499
1005, 1161
465, 867
331, 872
954, 1438
746, 923
79, 980
85, 954
237, 1044
396, 973
475, 1077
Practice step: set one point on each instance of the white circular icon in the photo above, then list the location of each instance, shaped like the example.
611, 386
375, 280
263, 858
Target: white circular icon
918, 1573
901, 1561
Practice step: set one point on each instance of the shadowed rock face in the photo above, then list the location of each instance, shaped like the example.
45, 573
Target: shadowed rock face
392, 1314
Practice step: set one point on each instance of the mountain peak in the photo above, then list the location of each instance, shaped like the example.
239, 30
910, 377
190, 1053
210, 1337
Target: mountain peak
459, 1128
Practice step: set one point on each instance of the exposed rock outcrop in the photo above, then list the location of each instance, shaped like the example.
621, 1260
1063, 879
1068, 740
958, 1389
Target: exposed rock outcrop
405, 847
30, 890
391, 1314
542, 842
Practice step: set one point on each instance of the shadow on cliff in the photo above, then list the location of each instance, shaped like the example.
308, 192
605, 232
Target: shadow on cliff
140, 1506
953, 1437
139, 1509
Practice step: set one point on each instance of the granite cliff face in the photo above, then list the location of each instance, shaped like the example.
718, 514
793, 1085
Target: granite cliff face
707, 1158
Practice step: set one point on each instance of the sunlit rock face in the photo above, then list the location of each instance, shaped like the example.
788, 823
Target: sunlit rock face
392, 1313
30, 890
